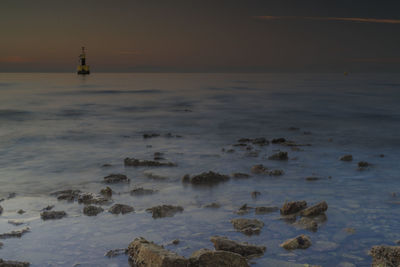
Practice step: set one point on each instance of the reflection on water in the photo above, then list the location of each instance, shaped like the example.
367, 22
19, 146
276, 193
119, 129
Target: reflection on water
57, 130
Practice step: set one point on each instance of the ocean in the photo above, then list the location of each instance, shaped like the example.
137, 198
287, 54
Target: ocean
58, 130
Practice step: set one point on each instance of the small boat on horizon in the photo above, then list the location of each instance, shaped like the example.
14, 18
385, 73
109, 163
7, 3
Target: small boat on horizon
83, 68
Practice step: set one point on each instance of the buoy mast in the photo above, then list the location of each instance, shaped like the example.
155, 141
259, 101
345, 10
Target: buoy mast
83, 68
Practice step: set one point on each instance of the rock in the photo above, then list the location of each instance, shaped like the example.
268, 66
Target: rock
299, 242
323, 246
279, 156
69, 194
154, 176
293, 207
255, 194
92, 210
230, 151
116, 252
186, 178
252, 154
106, 192
278, 140
244, 249
312, 178
363, 164
106, 165
21, 211
208, 178
385, 256
52, 215
261, 141
293, 128
143, 253
116, 178
121, 208
307, 224
158, 156
259, 169
244, 209
142, 191
209, 258
397, 242
49, 207
240, 175
264, 210
175, 242
150, 135
5, 263
213, 205
12, 195
15, 233
91, 198
276, 173
146, 163
164, 211
247, 226
315, 210
1, 209
347, 158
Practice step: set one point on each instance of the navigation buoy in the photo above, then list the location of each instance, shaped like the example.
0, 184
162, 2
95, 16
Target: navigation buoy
83, 68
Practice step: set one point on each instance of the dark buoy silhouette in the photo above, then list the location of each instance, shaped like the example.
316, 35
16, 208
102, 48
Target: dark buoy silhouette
83, 68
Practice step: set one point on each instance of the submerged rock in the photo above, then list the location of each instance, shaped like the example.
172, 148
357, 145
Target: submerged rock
91, 198
5, 263
143, 253
244, 209
92, 210
363, 164
259, 169
206, 178
299, 242
213, 205
312, 178
240, 175
52, 215
49, 207
385, 256
15, 233
247, 226
116, 252
69, 194
146, 163
142, 191
164, 211
307, 224
150, 135
209, 258
261, 141
278, 140
116, 178
293, 207
121, 208
158, 156
255, 194
279, 156
244, 249
315, 210
276, 172
264, 210
21, 211
1, 209
347, 158
106, 192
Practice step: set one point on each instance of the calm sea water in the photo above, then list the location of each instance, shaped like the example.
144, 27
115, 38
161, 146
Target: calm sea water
57, 130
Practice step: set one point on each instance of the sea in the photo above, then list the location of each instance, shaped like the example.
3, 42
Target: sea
57, 130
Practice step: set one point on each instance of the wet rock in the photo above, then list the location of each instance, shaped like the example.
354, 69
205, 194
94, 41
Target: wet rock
255, 194
1, 209
92, 210
116, 252
240, 175
142, 191
150, 135
158, 156
146, 163
5, 263
49, 207
143, 253
21, 211
169, 135
279, 156
207, 178
68, 195
91, 198
186, 178
244, 249
261, 141
244, 209
230, 151
259, 169
15, 233
315, 210
11, 195
106, 165
247, 226
297, 149
106, 192
293, 207
209, 258
312, 178
347, 158
264, 210
240, 144
154, 176
307, 224
385, 256
289, 218
213, 205
278, 140
175, 242
121, 209
363, 164
116, 178
299, 242
164, 211
276, 172
52, 215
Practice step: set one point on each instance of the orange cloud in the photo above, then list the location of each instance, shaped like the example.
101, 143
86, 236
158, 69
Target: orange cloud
362, 20
14, 59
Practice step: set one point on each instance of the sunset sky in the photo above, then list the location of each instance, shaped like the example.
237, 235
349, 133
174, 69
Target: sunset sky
200, 36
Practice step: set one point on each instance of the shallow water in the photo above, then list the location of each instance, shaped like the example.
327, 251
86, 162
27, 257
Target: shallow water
57, 130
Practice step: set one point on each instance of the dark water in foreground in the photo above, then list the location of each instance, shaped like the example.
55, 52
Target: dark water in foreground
57, 130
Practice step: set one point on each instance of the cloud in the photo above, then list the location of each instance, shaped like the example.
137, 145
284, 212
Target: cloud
14, 59
375, 60
130, 53
360, 20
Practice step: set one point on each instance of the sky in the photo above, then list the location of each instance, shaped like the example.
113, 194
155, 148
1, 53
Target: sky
200, 36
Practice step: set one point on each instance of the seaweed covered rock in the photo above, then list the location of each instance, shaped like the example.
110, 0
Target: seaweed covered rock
68, 195
116, 178
210, 258
385, 256
244, 249
143, 253
206, 178
299, 242
91, 198
164, 211
247, 226
315, 210
121, 209
52, 215
279, 156
15, 233
363, 164
6, 263
92, 210
146, 163
106, 192
293, 207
